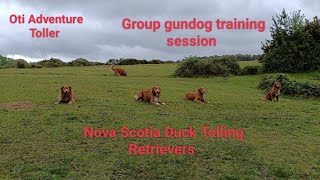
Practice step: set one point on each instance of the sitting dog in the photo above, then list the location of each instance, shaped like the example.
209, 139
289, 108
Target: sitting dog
66, 95
273, 93
118, 71
196, 96
151, 96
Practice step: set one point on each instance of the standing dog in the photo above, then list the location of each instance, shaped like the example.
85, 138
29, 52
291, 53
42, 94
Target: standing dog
118, 71
66, 95
151, 96
196, 96
273, 93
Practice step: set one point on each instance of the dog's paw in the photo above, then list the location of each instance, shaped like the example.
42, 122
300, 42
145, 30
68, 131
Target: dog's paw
157, 104
208, 102
163, 103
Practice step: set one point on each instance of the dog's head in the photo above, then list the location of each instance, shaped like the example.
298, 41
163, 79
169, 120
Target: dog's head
201, 91
65, 89
156, 90
277, 85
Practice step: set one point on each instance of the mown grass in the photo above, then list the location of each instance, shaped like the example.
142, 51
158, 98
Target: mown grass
249, 63
281, 139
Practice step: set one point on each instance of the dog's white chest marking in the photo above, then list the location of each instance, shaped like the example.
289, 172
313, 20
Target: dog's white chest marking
156, 99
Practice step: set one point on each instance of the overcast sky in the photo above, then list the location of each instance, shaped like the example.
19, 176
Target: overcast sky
101, 36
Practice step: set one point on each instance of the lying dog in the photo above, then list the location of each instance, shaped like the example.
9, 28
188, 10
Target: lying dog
273, 93
118, 71
152, 96
66, 95
196, 96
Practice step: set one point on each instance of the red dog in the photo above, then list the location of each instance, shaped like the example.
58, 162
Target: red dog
118, 71
66, 95
151, 96
196, 96
273, 93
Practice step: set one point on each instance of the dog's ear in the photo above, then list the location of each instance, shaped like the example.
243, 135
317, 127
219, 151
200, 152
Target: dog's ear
61, 89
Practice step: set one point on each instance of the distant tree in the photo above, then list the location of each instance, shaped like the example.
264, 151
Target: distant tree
156, 61
112, 61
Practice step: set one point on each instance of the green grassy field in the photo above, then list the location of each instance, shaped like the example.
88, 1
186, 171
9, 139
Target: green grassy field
46, 141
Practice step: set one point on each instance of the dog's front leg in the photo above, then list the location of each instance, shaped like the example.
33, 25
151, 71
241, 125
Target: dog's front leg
155, 103
197, 100
59, 99
161, 102
206, 101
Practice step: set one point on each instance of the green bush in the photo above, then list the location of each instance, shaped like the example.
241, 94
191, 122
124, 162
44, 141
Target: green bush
290, 87
22, 63
250, 70
207, 66
35, 65
80, 62
7, 62
52, 62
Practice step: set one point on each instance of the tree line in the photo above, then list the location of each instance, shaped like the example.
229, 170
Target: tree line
6, 62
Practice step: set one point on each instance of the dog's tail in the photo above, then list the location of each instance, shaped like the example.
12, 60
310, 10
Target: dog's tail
111, 67
262, 98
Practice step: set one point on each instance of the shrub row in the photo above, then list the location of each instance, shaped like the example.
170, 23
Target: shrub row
251, 70
54, 62
132, 61
194, 66
290, 87
51, 63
